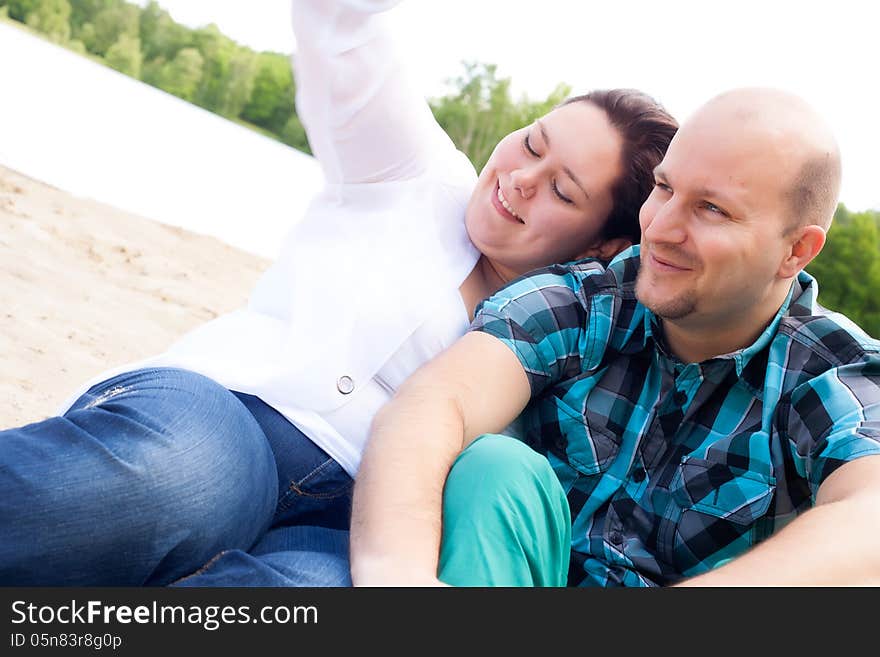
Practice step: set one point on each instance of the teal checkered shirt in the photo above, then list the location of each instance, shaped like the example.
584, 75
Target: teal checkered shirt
671, 469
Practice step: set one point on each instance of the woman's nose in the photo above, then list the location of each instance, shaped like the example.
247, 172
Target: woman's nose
524, 181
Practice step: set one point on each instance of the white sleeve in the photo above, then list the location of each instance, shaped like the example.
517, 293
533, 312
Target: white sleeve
365, 121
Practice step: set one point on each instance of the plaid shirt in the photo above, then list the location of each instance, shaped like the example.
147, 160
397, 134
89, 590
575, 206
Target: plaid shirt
672, 468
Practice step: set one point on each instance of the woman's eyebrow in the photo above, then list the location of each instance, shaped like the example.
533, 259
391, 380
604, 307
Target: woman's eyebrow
567, 170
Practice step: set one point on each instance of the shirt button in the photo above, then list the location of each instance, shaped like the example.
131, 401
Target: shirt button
615, 538
345, 385
639, 475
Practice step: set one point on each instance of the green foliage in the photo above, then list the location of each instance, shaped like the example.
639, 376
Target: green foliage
481, 111
52, 18
19, 9
125, 55
182, 76
84, 11
110, 24
161, 36
848, 268
272, 98
294, 134
224, 80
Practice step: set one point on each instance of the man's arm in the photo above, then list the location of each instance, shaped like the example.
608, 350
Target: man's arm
477, 386
836, 543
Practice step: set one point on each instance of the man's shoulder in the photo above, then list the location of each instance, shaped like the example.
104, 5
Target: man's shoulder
818, 333
590, 276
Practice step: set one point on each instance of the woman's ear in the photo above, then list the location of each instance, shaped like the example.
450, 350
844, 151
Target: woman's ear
606, 249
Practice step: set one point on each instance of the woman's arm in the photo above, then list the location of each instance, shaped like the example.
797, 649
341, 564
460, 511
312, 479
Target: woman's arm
365, 121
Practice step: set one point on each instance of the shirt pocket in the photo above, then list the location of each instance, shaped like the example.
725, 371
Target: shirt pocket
716, 509
590, 447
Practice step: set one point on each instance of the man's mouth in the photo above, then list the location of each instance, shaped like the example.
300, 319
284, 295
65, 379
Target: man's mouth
666, 264
502, 205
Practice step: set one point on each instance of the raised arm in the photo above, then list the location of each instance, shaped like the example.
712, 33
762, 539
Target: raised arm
365, 121
477, 386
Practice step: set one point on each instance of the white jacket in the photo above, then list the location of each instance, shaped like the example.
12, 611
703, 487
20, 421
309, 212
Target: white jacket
377, 247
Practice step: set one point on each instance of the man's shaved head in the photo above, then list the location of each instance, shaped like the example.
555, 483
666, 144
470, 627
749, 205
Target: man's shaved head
811, 169
742, 201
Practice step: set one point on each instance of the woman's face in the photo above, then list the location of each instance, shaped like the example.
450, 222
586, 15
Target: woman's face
545, 192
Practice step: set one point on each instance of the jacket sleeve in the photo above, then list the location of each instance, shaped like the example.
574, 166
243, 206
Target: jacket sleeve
365, 120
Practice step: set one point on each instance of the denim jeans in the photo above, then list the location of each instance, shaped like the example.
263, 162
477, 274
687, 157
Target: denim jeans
161, 475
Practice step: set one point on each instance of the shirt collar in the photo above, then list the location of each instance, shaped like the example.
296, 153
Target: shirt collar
802, 292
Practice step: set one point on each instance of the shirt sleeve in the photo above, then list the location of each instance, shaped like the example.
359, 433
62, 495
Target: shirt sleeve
364, 118
835, 418
548, 324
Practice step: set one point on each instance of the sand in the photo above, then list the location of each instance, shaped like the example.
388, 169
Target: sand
85, 286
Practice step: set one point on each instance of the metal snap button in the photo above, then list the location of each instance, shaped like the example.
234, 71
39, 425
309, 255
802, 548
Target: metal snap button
345, 385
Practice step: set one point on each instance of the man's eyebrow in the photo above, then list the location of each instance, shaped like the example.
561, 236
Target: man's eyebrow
568, 171
722, 197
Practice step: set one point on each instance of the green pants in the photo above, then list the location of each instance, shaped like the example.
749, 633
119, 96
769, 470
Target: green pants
506, 521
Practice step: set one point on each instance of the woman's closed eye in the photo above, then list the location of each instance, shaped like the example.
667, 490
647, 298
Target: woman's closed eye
528, 146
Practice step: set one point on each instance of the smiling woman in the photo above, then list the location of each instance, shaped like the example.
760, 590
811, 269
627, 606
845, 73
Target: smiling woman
383, 272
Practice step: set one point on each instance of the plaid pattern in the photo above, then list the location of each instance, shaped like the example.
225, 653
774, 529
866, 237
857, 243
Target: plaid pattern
669, 468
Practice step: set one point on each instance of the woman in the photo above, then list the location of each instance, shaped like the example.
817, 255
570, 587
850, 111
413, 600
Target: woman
237, 447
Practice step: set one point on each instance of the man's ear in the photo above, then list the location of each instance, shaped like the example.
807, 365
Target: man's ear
606, 249
807, 245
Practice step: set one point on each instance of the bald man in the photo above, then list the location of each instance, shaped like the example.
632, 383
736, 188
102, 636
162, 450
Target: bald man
692, 415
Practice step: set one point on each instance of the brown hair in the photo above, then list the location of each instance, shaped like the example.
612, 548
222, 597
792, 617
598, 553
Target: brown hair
646, 129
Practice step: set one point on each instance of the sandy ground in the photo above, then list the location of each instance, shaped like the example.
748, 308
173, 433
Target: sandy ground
84, 286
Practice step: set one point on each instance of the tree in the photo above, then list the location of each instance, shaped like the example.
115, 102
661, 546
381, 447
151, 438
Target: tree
85, 11
239, 82
161, 35
108, 25
51, 17
217, 51
294, 134
19, 9
272, 100
848, 268
125, 55
481, 112
182, 75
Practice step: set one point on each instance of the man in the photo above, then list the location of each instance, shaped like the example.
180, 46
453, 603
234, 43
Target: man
692, 398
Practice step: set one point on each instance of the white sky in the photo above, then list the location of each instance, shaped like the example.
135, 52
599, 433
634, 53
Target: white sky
680, 51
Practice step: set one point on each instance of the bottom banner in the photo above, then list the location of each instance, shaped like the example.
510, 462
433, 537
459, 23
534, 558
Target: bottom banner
168, 621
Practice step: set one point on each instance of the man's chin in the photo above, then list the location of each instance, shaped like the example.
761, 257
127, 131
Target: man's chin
669, 307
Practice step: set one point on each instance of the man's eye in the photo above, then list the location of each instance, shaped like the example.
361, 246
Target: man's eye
711, 207
663, 186
528, 146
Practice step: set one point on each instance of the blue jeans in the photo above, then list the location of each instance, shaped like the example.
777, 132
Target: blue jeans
162, 475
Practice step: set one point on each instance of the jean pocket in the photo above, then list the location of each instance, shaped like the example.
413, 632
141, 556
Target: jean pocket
327, 481
718, 508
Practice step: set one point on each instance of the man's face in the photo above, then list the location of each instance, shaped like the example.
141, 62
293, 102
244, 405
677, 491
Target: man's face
713, 229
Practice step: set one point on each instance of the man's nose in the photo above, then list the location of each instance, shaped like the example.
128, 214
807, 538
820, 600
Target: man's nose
667, 223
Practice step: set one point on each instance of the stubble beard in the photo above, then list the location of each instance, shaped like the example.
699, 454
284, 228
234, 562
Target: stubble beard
675, 308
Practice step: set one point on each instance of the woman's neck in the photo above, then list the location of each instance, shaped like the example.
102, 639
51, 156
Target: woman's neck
485, 279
